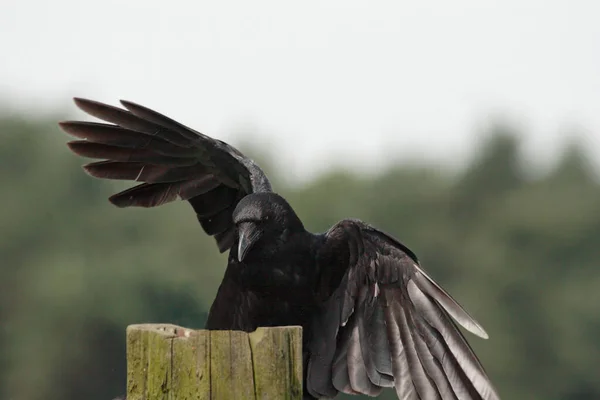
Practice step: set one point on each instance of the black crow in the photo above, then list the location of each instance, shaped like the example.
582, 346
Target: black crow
372, 317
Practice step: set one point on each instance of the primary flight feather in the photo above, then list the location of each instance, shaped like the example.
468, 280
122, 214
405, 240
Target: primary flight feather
372, 318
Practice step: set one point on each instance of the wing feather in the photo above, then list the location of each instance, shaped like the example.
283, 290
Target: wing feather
159, 119
423, 384
170, 160
361, 368
464, 355
461, 385
117, 136
126, 119
431, 365
375, 345
405, 387
457, 312
322, 349
340, 368
394, 322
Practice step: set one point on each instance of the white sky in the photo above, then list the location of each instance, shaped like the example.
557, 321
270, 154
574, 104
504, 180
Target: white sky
321, 82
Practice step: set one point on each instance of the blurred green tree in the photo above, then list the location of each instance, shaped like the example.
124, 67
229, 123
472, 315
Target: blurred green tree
520, 253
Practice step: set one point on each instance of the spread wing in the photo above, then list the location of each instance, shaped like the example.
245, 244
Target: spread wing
386, 323
171, 160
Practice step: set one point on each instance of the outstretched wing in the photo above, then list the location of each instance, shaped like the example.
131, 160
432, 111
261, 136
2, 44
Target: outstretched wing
172, 160
386, 323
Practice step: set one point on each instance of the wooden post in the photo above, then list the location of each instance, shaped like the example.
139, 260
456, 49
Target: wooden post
168, 362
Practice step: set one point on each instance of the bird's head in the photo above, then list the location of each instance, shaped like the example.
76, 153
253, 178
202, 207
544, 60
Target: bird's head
263, 219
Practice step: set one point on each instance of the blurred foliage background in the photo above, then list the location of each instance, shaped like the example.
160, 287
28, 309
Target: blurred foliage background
518, 248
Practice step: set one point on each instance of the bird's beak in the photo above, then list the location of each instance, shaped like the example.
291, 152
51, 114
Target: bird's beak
249, 234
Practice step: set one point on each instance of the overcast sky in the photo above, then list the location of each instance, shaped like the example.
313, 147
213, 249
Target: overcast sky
320, 82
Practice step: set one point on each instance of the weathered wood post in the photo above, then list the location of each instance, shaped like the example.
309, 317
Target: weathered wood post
168, 362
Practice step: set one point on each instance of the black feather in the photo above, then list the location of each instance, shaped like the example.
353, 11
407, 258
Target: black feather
361, 370
225, 239
145, 195
121, 137
143, 172
217, 223
213, 201
162, 120
128, 120
121, 170
105, 151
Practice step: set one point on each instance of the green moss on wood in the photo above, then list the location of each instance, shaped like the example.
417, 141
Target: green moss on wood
191, 366
136, 364
159, 365
149, 361
167, 362
231, 374
277, 362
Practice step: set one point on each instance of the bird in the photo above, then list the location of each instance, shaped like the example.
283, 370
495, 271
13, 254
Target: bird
372, 318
